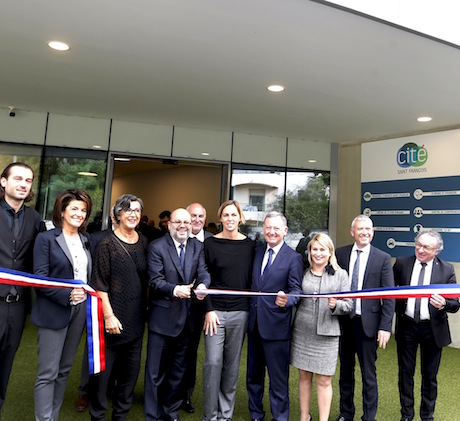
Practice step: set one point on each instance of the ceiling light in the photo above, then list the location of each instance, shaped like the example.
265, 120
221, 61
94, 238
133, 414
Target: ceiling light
97, 147
276, 88
205, 153
58, 45
87, 174
424, 119
119, 159
312, 161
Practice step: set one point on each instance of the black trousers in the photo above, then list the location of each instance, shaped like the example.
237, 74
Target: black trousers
127, 359
12, 320
411, 335
354, 342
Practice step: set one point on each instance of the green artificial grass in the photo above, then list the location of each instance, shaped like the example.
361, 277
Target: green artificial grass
19, 405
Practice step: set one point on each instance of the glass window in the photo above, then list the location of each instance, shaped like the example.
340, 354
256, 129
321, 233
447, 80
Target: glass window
70, 169
302, 196
30, 155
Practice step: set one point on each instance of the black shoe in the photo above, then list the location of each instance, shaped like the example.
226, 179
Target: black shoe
257, 419
342, 418
406, 419
187, 406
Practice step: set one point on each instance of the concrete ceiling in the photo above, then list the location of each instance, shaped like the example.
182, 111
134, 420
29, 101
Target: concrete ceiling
206, 64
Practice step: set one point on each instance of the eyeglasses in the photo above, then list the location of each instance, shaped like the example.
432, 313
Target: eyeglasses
423, 246
130, 211
179, 223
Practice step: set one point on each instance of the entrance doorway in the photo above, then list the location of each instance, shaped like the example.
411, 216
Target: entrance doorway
167, 184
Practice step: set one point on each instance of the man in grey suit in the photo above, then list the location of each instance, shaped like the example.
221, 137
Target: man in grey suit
176, 265
369, 323
422, 322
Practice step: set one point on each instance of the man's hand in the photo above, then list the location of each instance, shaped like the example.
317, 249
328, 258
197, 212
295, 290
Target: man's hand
383, 337
281, 299
201, 287
437, 301
182, 291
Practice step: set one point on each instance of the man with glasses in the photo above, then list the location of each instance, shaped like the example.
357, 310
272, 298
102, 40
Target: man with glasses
176, 266
422, 322
19, 225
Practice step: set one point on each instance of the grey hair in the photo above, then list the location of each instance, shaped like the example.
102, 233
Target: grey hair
432, 234
274, 214
361, 218
196, 203
123, 203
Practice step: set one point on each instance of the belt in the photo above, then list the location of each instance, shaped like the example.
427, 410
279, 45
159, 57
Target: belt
10, 298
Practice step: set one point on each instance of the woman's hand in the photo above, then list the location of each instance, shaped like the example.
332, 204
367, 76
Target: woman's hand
77, 295
332, 303
113, 326
211, 320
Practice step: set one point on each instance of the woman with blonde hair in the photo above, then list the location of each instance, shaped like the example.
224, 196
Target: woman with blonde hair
316, 330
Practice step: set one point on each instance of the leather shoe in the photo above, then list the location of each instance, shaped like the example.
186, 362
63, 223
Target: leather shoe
81, 404
187, 406
342, 418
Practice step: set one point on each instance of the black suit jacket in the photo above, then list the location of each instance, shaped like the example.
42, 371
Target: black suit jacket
376, 314
442, 273
168, 315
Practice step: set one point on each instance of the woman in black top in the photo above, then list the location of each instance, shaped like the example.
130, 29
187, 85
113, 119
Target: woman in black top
229, 256
120, 278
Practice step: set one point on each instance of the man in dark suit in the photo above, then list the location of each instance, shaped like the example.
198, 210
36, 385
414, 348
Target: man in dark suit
176, 264
422, 322
19, 225
198, 215
370, 322
277, 268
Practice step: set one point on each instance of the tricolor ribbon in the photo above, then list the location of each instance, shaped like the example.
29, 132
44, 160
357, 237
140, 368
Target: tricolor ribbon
419, 291
94, 317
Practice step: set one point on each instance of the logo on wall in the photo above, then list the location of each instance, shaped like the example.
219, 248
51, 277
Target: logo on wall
411, 155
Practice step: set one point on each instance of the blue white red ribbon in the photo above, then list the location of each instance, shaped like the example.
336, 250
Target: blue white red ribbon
422, 291
94, 317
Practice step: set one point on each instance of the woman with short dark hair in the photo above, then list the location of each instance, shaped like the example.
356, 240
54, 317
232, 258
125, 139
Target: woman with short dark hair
60, 313
120, 278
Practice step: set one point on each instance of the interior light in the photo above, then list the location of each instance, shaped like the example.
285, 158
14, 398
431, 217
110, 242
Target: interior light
276, 88
87, 174
205, 153
58, 45
424, 119
119, 159
97, 147
312, 161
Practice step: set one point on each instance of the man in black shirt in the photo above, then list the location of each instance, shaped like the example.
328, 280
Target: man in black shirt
19, 225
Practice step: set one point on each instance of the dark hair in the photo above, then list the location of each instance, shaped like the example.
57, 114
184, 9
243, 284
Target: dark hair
7, 172
123, 203
63, 200
165, 214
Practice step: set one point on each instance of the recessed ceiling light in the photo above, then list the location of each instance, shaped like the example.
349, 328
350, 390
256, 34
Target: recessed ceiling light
424, 119
58, 45
205, 153
87, 174
276, 88
97, 147
312, 161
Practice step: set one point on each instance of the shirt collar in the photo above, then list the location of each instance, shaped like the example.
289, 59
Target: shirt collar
276, 249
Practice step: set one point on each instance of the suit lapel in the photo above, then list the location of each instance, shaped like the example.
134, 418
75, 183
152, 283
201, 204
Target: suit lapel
189, 253
61, 241
175, 257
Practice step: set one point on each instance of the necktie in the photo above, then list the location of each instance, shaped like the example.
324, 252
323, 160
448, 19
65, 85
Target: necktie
269, 261
421, 277
16, 225
182, 256
13, 289
355, 280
